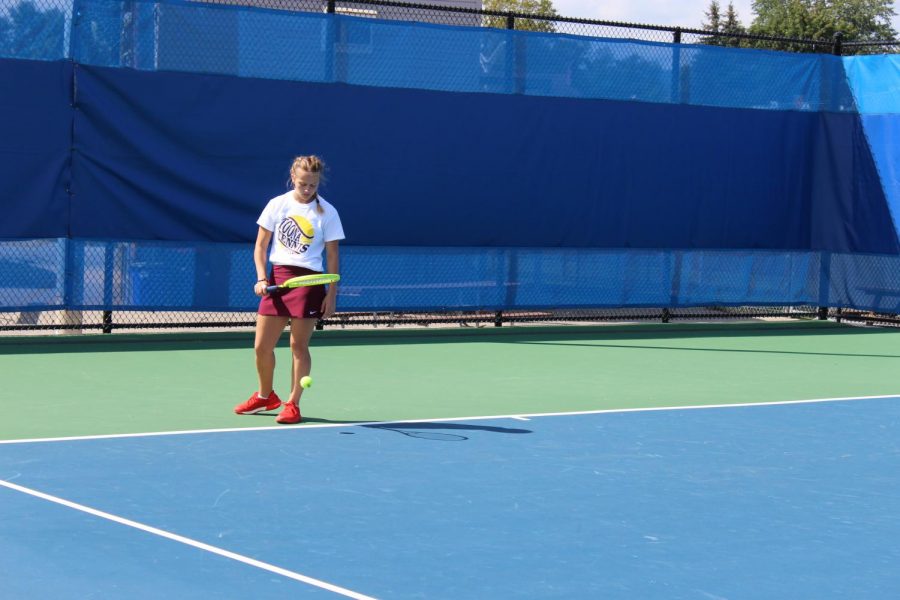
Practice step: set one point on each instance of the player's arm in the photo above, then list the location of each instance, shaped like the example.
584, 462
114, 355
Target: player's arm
333, 258
260, 249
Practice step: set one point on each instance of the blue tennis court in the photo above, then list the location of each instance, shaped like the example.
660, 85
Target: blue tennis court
497, 182
764, 501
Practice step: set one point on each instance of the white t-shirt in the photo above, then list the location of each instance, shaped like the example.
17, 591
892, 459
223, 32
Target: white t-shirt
299, 231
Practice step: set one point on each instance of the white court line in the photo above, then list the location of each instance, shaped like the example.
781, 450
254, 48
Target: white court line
189, 542
521, 417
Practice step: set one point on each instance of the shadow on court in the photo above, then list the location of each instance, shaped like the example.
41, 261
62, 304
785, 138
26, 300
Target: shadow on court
272, 413
425, 430
739, 350
439, 431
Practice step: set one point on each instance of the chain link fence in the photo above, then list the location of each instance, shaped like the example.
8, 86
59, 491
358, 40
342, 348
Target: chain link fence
76, 322
20, 26
39, 29
450, 13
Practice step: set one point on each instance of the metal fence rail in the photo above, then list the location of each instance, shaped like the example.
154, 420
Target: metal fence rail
87, 322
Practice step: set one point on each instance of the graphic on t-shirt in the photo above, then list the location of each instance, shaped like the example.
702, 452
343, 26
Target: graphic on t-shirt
296, 234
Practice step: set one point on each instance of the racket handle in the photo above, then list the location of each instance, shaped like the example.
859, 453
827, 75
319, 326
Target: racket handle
271, 288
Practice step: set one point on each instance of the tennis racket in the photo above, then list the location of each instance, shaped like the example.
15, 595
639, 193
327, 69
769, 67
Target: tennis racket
304, 281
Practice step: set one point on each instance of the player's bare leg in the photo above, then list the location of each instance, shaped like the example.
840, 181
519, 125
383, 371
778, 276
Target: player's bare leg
301, 332
268, 330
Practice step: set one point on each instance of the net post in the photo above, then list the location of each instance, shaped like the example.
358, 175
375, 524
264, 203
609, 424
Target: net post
498, 318
107, 321
320, 324
665, 316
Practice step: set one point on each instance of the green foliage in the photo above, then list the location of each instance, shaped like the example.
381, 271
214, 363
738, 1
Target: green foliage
724, 27
528, 7
714, 16
732, 25
857, 20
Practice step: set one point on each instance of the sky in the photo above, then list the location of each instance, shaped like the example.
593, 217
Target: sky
685, 13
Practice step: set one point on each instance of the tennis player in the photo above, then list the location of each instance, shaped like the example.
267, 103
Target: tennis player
304, 226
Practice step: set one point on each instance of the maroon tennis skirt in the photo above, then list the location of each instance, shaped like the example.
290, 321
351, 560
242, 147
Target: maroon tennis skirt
299, 303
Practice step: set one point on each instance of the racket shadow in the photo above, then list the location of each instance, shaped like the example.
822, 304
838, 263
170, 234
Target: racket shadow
438, 431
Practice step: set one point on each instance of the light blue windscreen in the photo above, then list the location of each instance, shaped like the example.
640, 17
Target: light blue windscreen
35, 30
875, 81
219, 277
315, 47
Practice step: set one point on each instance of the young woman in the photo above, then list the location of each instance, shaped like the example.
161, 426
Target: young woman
303, 226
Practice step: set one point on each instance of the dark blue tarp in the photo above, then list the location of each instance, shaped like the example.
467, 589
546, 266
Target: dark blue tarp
173, 156
35, 148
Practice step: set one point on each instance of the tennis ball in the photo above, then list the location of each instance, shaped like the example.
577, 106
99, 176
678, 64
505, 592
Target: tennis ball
305, 381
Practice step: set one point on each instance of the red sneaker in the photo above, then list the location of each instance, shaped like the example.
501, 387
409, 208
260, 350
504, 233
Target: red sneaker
256, 404
290, 414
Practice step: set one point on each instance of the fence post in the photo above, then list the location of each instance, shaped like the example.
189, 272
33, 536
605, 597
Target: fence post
676, 66
511, 280
516, 58
838, 47
73, 290
824, 285
126, 43
335, 46
825, 257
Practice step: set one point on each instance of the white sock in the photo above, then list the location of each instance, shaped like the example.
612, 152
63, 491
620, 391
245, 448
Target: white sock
262, 397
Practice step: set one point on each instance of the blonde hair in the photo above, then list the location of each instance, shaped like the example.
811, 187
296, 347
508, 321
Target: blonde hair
310, 164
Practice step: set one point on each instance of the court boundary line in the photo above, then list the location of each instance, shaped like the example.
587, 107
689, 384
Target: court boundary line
517, 416
188, 541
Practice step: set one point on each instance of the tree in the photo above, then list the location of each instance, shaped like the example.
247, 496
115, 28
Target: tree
723, 29
732, 26
714, 25
857, 20
527, 7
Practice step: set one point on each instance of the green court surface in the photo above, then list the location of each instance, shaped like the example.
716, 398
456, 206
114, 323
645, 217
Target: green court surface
92, 385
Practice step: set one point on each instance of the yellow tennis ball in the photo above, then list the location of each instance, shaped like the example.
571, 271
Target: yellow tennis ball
305, 381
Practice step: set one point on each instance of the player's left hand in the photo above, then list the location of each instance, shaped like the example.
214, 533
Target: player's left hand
329, 305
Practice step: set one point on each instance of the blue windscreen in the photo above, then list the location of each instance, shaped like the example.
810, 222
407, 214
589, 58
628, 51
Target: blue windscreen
472, 167
326, 48
35, 148
875, 80
435, 169
104, 275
